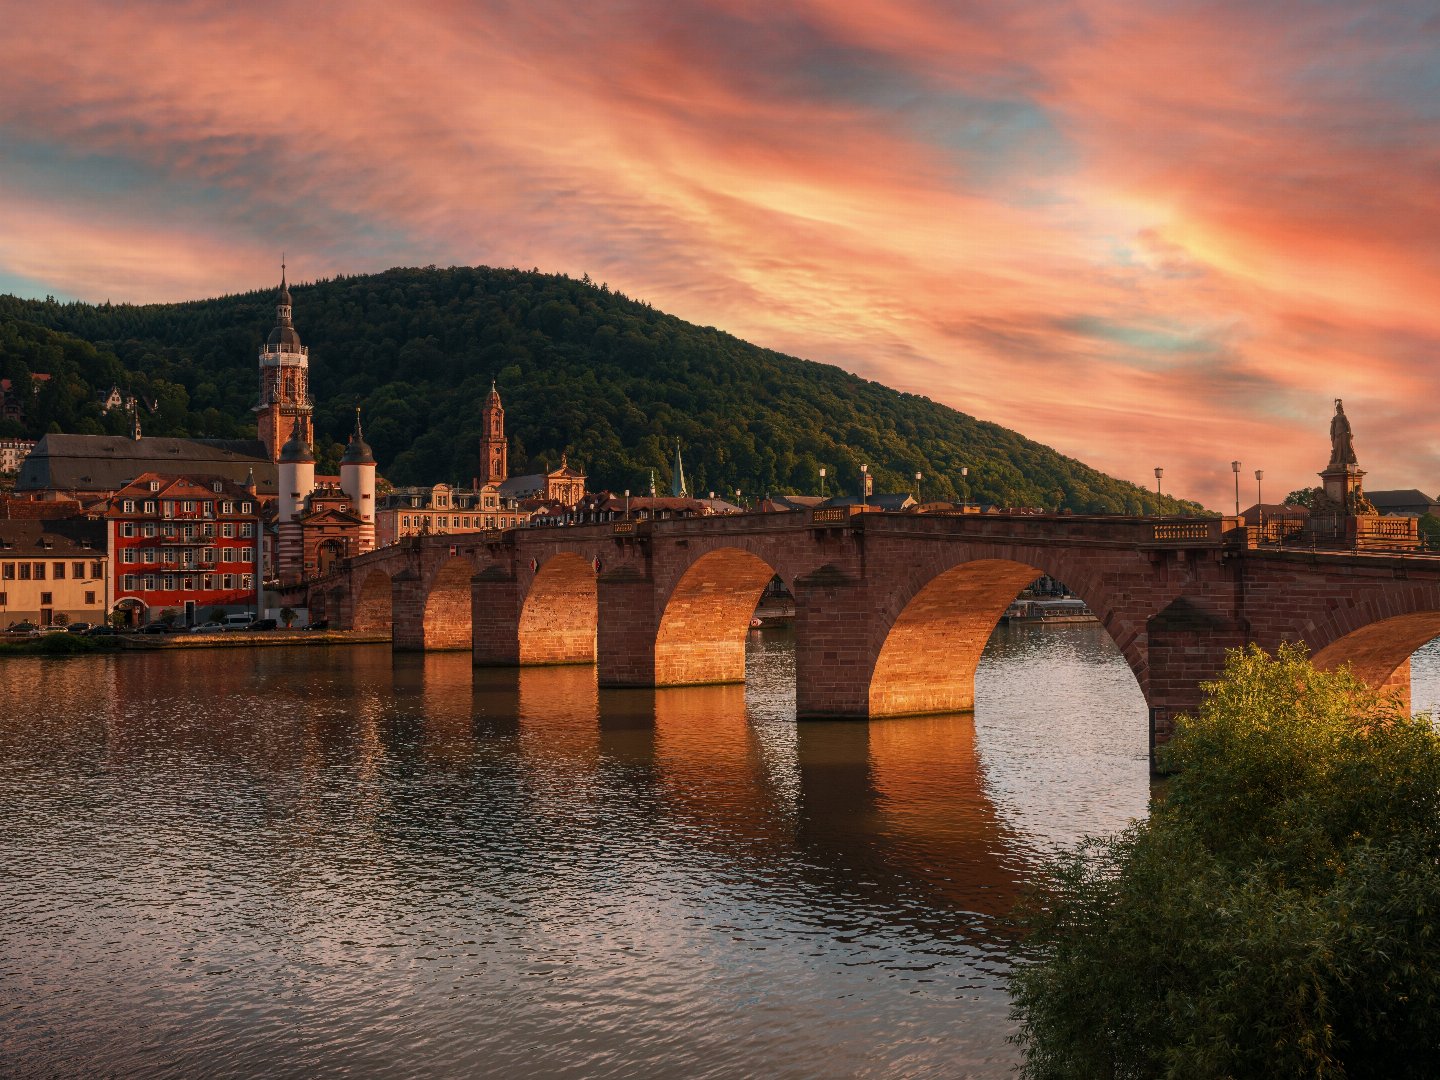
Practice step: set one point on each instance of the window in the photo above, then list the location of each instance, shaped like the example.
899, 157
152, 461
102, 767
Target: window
247, 528
168, 508
187, 583
209, 508
127, 506
8, 571
188, 506
207, 555
208, 529
405, 521
167, 555
245, 508
444, 521
228, 581
188, 532
96, 570
39, 571
149, 506
57, 571
247, 555
217, 487
227, 508
128, 555
89, 598
4, 599
130, 580
45, 599
154, 485
127, 528
149, 555
149, 582
169, 580
207, 581
77, 570
227, 529
150, 530
247, 581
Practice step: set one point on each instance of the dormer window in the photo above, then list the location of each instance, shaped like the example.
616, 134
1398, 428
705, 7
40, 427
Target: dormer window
154, 485
217, 487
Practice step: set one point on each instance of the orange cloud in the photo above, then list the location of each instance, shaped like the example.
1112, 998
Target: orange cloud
1147, 234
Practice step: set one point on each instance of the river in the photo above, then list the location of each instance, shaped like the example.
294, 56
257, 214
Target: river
325, 861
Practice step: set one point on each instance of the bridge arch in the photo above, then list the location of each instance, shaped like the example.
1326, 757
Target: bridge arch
560, 614
929, 654
446, 622
706, 618
1379, 652
374, 602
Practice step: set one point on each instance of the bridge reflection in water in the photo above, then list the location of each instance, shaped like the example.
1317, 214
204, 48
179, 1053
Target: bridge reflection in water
445, 868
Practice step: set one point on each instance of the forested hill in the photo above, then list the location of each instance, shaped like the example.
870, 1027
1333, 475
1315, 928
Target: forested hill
580, 369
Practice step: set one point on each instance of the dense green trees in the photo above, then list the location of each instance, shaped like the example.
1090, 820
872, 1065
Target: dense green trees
583, 370
1275, 915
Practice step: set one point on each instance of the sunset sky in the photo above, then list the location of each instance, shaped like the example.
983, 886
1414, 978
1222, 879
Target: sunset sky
1146, 233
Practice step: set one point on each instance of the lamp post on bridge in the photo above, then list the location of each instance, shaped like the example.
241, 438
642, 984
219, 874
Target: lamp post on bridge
864, 486
965, 481
627, 504
918, 478
1259, 475
822, 481
1159, 472
1235, 468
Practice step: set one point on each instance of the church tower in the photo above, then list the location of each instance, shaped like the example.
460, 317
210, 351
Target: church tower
284, 379
493, 468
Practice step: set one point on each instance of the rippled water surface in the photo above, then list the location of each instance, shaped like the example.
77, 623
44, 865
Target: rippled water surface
316, 861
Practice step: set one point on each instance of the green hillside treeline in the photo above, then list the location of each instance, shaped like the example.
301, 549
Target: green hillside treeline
581, 369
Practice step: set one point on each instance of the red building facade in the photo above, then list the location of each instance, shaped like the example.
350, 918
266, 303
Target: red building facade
190, 544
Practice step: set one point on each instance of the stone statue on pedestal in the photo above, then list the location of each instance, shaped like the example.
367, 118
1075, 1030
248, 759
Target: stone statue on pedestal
1342, 442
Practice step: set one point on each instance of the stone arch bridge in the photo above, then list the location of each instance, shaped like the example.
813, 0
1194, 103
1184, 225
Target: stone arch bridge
892, 610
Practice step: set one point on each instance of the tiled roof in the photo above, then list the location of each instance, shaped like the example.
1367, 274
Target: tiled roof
109, 462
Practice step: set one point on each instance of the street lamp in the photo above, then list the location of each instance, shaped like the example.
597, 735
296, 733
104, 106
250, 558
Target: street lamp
1159, 472
822, 481
1235, 468
1259, 475
738, 503
965, 480
627, 504
864, 485
918, 478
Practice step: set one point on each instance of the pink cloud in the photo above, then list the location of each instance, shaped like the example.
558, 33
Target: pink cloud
1136, 232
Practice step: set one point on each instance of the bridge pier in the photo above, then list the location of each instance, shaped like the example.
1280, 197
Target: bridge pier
834, 656
627, 627
1186, 643
495, 619
407, 607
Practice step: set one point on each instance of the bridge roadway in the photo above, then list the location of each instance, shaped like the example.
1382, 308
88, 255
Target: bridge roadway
892, 610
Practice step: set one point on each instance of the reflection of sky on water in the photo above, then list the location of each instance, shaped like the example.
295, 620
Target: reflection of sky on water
286, 860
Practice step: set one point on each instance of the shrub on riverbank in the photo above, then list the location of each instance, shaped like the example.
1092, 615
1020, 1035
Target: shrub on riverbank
1274, 916
58, 645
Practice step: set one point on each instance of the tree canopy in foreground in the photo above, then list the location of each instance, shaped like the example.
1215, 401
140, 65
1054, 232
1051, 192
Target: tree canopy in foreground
1274, 916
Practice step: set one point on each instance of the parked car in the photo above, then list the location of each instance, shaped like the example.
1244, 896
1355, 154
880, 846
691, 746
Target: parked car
319, 624
101, 631
263, 624
209, 628
41, 631
80, 627
22, 628
238, 622
156, 628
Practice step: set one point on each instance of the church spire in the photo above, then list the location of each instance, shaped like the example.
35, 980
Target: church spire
677, 480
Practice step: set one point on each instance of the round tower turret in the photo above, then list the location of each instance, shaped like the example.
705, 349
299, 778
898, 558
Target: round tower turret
357, 480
